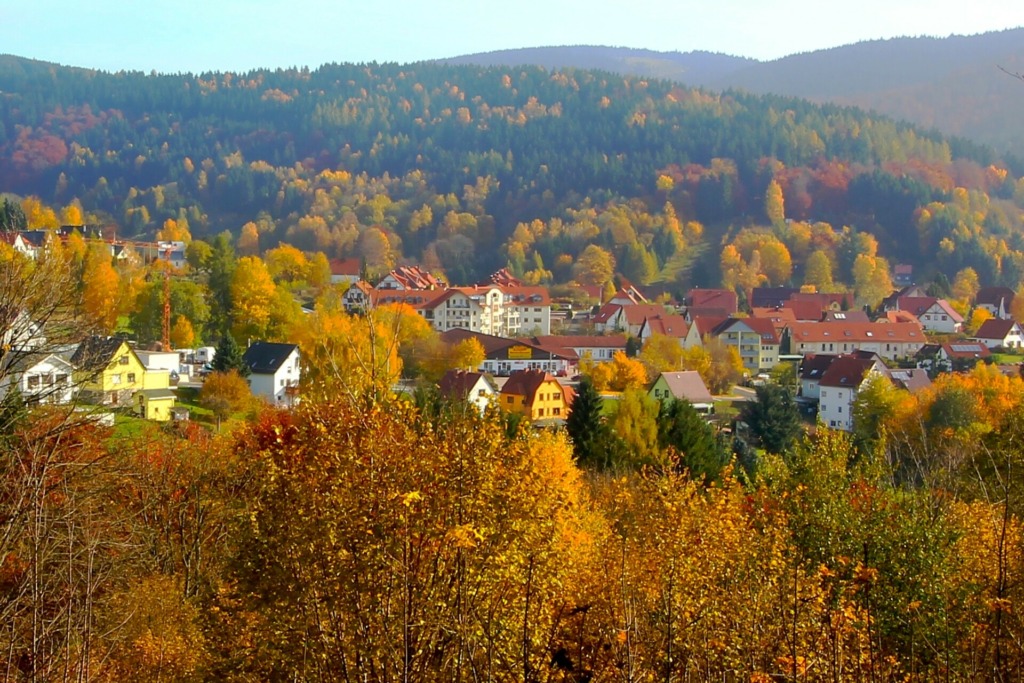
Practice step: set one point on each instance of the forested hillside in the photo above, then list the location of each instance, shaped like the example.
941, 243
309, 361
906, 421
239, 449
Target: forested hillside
467, 168
958, 85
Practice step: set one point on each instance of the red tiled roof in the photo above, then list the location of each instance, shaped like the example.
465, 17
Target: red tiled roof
669, 325
722, 299
526, 383
349, 267
527, 295
804, 332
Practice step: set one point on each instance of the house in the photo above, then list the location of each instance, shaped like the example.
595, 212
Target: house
172, 252
345, 270
701, 328
754, 338
950, 357
528, 309
812, 369
19, 331
357, 297
995, 300
628, 319
536, 395
155, 404
667, 325
18, 243
628, 295
839, 386
408, 278
686, 385
503, 278
503, 356
935, 315
107, 370
888, 340
480, 309
771, 297
1000, 333
476, 388
910, 379
903, 274
274, 371
717, 303
38, 377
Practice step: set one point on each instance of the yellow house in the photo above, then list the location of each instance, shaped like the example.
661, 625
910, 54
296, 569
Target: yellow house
536, 395
107, 370
155, 404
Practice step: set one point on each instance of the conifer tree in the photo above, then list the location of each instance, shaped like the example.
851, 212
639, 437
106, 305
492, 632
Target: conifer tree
682, 427
229, 357
773, 418
584, 424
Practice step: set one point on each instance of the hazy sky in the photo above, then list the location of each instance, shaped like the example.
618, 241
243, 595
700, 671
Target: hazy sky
237, 35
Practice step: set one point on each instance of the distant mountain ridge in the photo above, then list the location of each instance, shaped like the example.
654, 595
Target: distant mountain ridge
694, 68
956, 84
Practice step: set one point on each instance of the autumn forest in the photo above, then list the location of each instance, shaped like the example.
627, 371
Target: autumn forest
367, 535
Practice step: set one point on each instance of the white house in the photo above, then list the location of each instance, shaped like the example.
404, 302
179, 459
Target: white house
477, 388
39, 377
274, 372
996, 333
839, 386
528, 309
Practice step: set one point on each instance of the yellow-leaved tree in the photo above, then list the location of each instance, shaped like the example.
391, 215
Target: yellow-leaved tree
419, 550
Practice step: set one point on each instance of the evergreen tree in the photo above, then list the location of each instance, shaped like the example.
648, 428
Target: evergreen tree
773, 418
584, 425
229, 357
682, 427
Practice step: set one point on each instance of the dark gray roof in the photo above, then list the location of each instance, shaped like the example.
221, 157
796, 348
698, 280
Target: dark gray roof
95, 353
266, 358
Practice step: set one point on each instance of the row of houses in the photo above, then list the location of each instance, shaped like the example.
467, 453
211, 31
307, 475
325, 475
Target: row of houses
31, 243
109, 371
542, 399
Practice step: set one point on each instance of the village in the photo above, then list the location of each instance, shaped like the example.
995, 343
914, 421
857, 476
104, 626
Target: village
536, 349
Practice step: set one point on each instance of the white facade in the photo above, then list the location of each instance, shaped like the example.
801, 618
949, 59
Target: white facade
943, 320
1014, 339
278, 388
160, 360
835, 404
533, 318
48, 380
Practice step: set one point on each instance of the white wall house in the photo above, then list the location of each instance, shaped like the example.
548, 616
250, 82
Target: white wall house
274, 372
839, 386
998, 333
46, 378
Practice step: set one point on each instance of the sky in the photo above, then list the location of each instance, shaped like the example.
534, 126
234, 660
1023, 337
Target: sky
239, 35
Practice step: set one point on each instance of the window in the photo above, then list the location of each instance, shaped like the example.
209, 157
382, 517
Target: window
556, 411
509, 399
123, 360
131, 377
62, 379
33, 381
840, 409
115, 379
